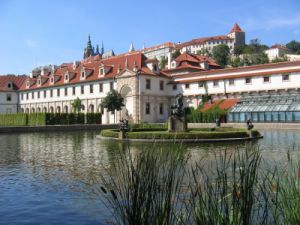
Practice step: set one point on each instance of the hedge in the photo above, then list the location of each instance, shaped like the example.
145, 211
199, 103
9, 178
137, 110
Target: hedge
18, 119
41, 119
149, 133
148, 125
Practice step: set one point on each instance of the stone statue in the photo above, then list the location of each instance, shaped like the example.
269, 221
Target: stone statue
177, 108
249, 124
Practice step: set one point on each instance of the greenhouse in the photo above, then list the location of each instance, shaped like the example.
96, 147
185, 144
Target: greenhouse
269, 108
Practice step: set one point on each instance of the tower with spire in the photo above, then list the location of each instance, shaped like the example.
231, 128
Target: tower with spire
88, 51
238, 35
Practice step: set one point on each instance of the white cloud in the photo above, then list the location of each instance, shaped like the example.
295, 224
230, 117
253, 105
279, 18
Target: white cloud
31, 44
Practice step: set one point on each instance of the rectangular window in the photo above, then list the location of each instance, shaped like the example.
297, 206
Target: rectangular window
101, 87
174, 86
66, 91
38, 94
285, 77
161, 85
22, 96
73, 90
187, 86
248, 80
216, 83
147, 108
51, 93
266, 79
111, 86
32, 95
91, 88
27, 96
161, 108
58, 92
45, 94
8, 97
148, 84
82, 89
231, 82
200, 84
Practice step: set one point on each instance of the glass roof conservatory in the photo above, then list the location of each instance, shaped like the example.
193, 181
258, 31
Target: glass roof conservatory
268, 108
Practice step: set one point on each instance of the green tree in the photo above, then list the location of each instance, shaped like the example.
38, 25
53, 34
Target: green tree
204, 52
221, 54
294, 47
280, 59
236, 62
163, 62
113, 102
176, 54
76, 104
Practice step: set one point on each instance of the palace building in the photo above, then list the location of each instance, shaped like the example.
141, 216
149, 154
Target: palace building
149, 91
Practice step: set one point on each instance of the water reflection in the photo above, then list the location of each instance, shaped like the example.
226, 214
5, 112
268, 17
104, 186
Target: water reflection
42, 175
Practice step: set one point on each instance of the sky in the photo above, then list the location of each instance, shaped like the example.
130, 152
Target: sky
42, 32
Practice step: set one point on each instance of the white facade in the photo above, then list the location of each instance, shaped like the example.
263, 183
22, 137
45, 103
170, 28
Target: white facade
8, 102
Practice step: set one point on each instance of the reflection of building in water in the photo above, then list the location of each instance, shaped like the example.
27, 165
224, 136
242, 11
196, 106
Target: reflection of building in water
77, 151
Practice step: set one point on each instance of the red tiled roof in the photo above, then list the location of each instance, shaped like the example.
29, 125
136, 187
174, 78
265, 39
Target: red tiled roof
203, 40
241, 69
239, 76
112, 65
236, 28
17, 81
223, 104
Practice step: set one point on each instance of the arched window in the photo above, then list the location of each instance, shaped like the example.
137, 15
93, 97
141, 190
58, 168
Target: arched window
58, 109
51, 109
82, 107
27, 110
38, 109
91, 108
66, 109
45, 109
32, 110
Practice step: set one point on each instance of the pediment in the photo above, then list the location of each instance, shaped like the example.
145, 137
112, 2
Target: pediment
126, 73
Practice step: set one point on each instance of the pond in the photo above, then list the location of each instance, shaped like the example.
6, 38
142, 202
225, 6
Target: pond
43, 175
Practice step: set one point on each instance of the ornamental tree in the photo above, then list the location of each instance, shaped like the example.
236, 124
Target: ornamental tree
76, 104
113, 102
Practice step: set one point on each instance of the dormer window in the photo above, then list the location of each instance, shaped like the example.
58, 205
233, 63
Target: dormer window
52, 80
82, 75
66, 77
154, 67
102, 71
9, 85
28, 84
39, 82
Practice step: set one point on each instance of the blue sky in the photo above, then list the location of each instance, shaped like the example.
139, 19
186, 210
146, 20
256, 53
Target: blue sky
41, 32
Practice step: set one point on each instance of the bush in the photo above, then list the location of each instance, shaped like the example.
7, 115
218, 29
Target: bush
148, 125
93, 118
161, 133
36, 119
110, 133
18, 119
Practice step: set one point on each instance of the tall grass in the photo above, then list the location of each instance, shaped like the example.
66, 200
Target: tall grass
144, 188
164, 187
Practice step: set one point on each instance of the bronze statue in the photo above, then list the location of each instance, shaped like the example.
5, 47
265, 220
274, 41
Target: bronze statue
177, 108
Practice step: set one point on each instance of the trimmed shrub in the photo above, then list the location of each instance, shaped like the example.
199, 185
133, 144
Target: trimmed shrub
36, 119
93, 118
110, 133
152, 133
148, 125
18, 119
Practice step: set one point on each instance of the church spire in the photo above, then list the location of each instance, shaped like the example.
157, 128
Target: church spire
131, 48
88, 51
97, 50
102, 48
